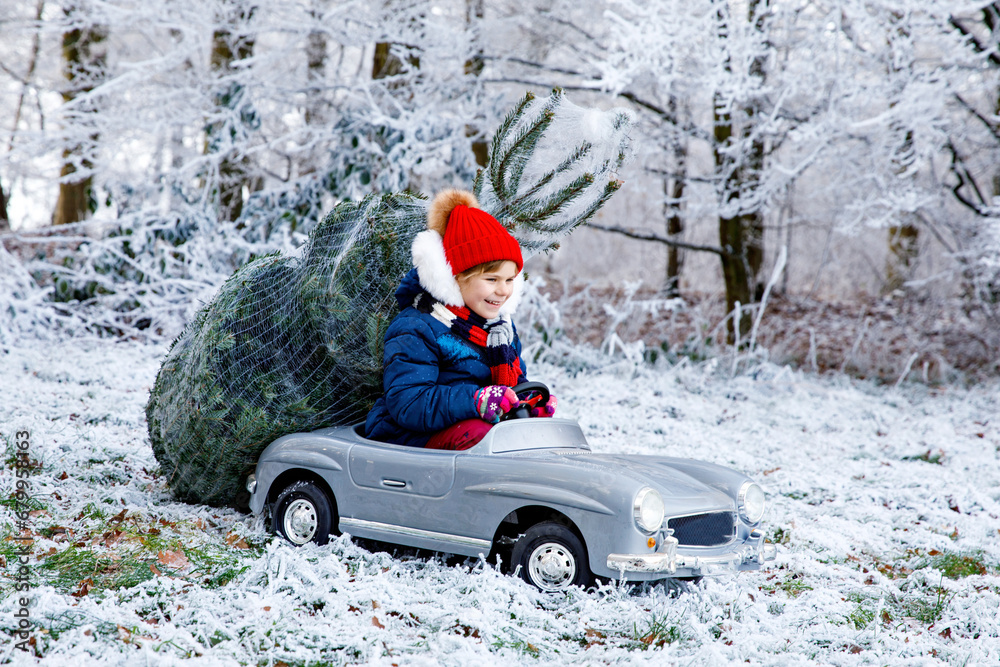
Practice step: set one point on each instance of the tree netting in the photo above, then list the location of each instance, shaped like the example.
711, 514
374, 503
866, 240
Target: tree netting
295, 344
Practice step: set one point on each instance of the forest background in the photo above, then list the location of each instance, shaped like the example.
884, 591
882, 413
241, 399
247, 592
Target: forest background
814, 180
831, 166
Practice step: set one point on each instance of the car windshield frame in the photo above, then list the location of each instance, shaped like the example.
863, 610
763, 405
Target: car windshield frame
524, 435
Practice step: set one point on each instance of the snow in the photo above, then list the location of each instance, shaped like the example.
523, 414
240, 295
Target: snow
869, 487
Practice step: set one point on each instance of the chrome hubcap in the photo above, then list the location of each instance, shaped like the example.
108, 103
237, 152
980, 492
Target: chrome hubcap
300, 521
552, 567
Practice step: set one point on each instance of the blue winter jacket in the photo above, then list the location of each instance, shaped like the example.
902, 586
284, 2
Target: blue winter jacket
429, 375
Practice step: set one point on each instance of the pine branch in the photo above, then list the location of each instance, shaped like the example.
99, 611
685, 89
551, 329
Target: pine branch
535, 216
518, 152
577, 155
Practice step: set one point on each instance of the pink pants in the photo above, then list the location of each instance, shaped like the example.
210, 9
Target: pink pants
461, 435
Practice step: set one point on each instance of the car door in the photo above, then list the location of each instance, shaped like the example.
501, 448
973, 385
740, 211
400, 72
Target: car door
400, 486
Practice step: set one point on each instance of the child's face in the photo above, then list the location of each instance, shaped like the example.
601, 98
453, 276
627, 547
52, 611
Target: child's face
485, 293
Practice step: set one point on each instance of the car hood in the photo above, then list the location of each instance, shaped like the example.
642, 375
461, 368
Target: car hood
687, 486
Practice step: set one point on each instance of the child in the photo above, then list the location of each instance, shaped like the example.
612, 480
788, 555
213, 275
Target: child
452, 354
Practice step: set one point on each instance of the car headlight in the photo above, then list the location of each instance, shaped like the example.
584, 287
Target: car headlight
252, 483
648, 509
750, 502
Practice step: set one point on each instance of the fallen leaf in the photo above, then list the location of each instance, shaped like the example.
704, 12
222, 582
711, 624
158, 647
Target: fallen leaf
175, 560
595, 637
85, 587
377, 623
111, 537
118, 518
155, 570
237, 542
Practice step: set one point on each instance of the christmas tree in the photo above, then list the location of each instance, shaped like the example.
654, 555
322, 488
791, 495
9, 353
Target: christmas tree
293, 344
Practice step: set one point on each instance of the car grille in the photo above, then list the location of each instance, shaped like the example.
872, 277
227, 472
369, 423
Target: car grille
704, 530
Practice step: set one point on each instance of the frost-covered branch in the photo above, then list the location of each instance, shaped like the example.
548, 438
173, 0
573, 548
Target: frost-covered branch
645, 236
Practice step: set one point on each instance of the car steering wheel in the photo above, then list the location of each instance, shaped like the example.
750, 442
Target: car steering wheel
526, 389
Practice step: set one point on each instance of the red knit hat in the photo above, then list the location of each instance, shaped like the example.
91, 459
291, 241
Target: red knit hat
459, 236
475, 237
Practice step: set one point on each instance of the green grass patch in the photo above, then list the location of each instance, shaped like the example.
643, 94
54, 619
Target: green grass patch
29, 504
958, 565
102, 554
521, 646
70, 620
780, 535
864, 611
657, 632
80, 570
793, 585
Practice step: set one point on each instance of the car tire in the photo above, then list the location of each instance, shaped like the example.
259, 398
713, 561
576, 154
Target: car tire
303, 513
551, 558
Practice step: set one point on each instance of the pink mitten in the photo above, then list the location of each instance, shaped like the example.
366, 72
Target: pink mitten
493, 401
546, 410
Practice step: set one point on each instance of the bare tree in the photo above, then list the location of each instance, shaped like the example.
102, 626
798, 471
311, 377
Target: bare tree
741, 219
904, 234
977, 187
232, 43
84, 55
673, 193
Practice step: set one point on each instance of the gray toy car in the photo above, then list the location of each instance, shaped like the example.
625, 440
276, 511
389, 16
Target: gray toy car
531, 492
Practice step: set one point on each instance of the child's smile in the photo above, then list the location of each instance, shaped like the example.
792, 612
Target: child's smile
485, 293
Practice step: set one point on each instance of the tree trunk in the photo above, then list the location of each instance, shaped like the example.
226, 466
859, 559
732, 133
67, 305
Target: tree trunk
675, 227
732, 236
474, 14
387, 64
673, 190
754, 161
315, 74
83, 60
903, 238
4, 219
991, 19
235, 172
741, 228
904, 247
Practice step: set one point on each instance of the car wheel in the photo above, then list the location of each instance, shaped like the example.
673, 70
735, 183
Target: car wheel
303, 513
551, 558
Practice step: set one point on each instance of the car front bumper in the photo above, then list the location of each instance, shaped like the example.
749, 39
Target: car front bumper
749, 556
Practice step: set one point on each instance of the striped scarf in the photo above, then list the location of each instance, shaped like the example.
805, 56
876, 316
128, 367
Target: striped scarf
495, 336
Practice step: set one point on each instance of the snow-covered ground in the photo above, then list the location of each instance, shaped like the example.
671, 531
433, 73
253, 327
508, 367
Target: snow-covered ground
885, 504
